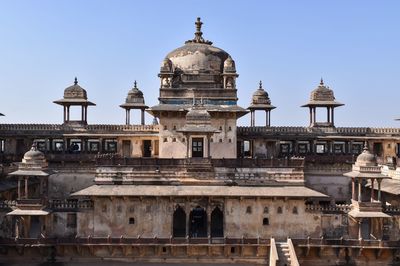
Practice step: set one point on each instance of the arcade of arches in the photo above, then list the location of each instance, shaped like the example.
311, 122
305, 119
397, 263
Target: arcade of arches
200, 222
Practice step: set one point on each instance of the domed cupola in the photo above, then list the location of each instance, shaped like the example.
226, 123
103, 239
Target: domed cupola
75, 95
366, 158
198, 119
323, 97
75, 92
260, 101
33, 160
134, 100
196, 64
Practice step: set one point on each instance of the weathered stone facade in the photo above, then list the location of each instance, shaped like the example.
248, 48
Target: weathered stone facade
194, 187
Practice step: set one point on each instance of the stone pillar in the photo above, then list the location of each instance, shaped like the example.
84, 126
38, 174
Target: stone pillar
353, 189
187, 146
142, 116
359, 189
68, 112
83, 113
126, 117
65, 113
372, 189
379, 189
208, 211
314, 115
311, 116
19, 187
332, 116
359, 228
266, 118
41, 188
269, 118
328, 114
26, 187
86, 113
208, 146
187, 211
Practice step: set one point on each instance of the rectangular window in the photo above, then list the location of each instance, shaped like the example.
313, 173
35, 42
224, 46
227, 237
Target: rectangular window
303, 148
320, 148
2, 145
285, 148
357, 148
111, 146
41, 146
338, 148
58, 145
94, 146
71, 220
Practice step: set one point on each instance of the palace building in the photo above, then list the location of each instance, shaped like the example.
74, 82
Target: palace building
194, 187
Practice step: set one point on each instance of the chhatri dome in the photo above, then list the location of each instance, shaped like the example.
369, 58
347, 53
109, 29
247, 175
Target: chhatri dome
198, 70
198, 55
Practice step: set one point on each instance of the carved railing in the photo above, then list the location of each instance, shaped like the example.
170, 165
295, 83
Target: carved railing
391, 209
31, 127
70, 205
7, 204
330, 158
337, 130
317, 242
123, 240
338, 208
232, 163
95, 127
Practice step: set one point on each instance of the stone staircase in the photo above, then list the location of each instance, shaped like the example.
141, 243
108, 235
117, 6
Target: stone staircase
283, 254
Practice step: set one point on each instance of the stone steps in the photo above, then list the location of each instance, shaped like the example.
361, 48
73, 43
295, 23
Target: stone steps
283, 253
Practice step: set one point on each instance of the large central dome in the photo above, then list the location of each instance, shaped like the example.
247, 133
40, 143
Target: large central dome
198, 71
198, 55
196, 58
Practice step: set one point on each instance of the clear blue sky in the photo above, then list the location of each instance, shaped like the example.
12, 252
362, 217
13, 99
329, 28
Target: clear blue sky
289, 45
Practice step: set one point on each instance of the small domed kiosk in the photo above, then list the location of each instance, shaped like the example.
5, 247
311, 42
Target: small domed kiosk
134, 100
322, 97
30, 214
260, 101
75, 95
366, 209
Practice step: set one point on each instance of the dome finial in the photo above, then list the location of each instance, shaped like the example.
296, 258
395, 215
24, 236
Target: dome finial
260, 85
198, 35
365, 146
321, 82
76, 81
135, 85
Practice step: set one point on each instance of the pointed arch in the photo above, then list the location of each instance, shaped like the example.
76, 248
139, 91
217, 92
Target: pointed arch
179, 223
217, 223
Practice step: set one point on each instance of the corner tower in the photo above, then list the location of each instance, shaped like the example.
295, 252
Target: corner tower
198, 73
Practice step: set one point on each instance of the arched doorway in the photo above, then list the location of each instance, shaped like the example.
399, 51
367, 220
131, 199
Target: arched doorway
198, 222
179, 223
217, 223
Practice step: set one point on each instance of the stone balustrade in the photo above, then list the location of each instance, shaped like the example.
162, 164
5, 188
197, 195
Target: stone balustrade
337, 208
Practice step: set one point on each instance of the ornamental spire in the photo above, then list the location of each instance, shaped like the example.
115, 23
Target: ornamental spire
76, 81
321, 82
260, 85
198, 35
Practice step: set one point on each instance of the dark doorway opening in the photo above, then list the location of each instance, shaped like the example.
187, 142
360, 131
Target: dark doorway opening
197, 147
179, 223
198, 222
217, 223
146, 148
126, 148
34, 231
365, 228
